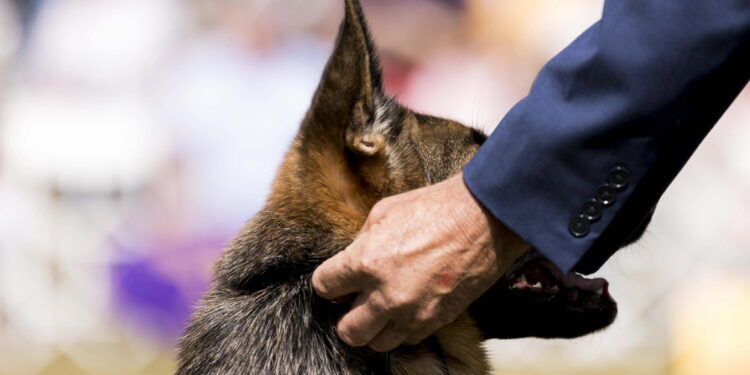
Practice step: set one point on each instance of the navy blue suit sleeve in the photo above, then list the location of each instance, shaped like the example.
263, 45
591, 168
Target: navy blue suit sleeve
638, 91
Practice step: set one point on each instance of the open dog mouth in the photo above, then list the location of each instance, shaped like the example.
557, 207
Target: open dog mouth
540, 276
534, 298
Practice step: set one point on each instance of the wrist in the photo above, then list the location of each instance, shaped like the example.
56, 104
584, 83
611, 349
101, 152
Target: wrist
508, 246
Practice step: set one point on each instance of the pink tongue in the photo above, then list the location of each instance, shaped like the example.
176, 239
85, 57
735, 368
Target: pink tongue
573, 280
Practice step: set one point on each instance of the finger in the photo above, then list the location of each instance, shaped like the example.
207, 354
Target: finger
389, 338
362, 323
336, 277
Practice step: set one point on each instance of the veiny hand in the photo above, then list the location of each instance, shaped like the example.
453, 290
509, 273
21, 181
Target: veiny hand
419, 261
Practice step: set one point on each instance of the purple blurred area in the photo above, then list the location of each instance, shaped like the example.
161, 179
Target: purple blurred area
138, 136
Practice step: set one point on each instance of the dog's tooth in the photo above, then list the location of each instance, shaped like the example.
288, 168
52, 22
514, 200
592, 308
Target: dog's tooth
537, 285
520, 282
600, 291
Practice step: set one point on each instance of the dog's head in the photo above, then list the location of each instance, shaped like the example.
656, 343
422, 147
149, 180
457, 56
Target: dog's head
357, 145
352, 124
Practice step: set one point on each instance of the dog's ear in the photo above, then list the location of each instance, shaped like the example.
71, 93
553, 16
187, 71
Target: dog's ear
349, 99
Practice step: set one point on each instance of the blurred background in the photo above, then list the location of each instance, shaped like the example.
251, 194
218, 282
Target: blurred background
137, 136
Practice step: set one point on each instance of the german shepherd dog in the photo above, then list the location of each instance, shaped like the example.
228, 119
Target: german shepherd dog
355, 146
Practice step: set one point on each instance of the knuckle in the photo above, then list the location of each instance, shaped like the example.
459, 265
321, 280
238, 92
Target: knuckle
378, 306
427, 320
408, 324
403, 301
368, 265
394, 306
420, 320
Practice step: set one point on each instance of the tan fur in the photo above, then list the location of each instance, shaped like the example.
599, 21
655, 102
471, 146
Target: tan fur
462, 353
462, 345
355, 146
346, 189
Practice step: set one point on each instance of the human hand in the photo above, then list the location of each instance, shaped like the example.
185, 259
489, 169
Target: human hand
419, 261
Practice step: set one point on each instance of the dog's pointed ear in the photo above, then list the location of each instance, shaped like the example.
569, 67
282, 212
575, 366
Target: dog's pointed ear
345, 104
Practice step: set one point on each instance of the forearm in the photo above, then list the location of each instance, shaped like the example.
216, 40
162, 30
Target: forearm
639, 89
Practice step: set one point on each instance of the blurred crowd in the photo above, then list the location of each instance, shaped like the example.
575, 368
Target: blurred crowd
138, 136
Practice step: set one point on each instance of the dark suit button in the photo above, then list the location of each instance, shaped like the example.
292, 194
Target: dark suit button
606, 194
579, 226
619, 177
592, 210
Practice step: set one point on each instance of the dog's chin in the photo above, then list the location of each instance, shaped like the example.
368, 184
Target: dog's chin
534, 299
